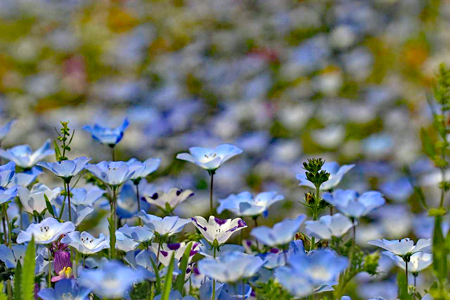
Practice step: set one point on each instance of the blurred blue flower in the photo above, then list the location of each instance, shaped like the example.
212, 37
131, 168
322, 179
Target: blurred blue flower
105, 135
328, 226
85, 243
230, 267
232, 292
25, 178
217, 230
7, 173
126, 201
336, 175
398, 190
206, 289
111, 280
66, 169
24, 157
139, 234
11, 256
351, 204
143, 169
113, 173
281, 234
65, 289
34, 199
7, 195
5, 129
81, 196
403, 247
166, 226
46, 232
243, 204
210, 159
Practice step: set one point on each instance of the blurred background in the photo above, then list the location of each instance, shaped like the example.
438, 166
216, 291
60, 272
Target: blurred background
284, 80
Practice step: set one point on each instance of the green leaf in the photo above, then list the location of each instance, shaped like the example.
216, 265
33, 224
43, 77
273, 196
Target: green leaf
2, 294
57, 151
158, 279
439, 251
29, 264
169, 277
427, 144
49, 206
402, 288
183, 266
18, 282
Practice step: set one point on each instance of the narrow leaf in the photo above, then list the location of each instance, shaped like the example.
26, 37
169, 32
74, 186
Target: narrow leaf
49, 206
179, 283
158, 279
29, 264
427, 144
18, 282
2, 294
169, 278
439, 251
57, 151
402, 288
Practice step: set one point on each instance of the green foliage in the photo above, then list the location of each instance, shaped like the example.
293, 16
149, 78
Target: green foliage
49, 206
18, 282
403, 292
29, 265
183, 266
271, 290
65, 138
314, 172
2, 294
168, 279
112, 234
439, 251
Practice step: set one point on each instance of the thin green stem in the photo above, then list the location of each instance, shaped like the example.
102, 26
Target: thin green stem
211, 204
5, 211
159, 250
214, 281
68, 199
138, 202
9, 289
113, 153
406, 273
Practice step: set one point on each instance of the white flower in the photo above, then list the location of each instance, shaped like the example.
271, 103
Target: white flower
34, 200
167, 201
243, 204
281, 233
163, 226
403, 247
328, 226
46, 232
417, 262
210, 159
166, 251
336, 175
85, 242
216, 229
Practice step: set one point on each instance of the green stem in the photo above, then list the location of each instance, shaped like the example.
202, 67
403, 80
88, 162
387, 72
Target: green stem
9, 290
214, 281
159, 250
138, 202
406, 273
68, 199
211, 204
5, 211
113, 218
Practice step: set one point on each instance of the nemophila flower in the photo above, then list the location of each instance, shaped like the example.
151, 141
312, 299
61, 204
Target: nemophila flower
113, 173
306, 274
62, 265
336, 175
143, 169
7, 173
139, 234
46, 232
230, 267
127, 206
85, 243
11, 256
417, 262
167, 250
24, 157
206, 249
216, 230
243, 204
25, 178
398, 190
144, 260
34, 199
107, 136
124, 242
5, 129
281, 234
66, 169
166, 226
7, 195
111, 280
238, 291
404, 247
351, 204
77, 213
167, 201
206, 289
65, 289
81, 196
210, 159
328, 226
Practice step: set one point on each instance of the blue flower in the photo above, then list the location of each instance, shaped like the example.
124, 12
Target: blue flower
336, 175
25, 178
166, 226
306, 274
328, 226
7, 173
78, 212
230, 267
46, 232
232, 292
352, 205
207, 287
7, 195
113, 173
243, 204
24, 157
210, 159
81, 196
111, 280
281, 234
107, 136
398, 190
139, 234
4, 130
65, 289
126, 201
143, 169
11, 256
66, 169
85, 243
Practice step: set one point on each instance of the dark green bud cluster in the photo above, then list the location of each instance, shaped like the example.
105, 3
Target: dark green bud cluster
314, 172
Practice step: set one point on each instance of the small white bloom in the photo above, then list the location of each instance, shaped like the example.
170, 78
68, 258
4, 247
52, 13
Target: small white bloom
216, 229
85, 242
46, 232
